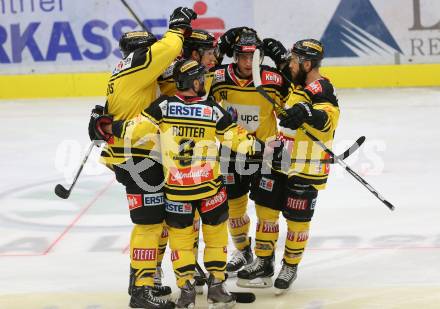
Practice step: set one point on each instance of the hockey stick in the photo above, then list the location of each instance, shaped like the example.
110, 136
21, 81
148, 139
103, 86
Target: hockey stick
135, 16
64, 193
240, 297
342, 156
280, 110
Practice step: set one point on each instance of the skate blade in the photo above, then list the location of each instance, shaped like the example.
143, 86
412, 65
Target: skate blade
221, 305
232, 274
279, 292
265, 282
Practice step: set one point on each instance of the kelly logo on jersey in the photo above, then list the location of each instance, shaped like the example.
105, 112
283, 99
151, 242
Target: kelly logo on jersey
193, 111
213, 202
271, 78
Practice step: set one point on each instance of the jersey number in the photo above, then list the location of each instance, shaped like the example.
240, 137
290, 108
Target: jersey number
109, 88
186, 149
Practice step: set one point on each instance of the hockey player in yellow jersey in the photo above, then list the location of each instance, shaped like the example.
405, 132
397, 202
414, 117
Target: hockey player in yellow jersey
233, 87
313, 105
189, 128
131, 88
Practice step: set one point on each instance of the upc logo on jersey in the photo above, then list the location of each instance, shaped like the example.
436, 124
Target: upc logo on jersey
233, 112
178, 207
193, 111
357, 30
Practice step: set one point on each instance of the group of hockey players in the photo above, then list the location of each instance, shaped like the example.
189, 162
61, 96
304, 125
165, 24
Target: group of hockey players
184, 155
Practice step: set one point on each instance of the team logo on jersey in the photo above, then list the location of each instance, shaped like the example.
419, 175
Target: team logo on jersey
233, 112
123, 64
134, 201
190, 175
141, 254
169, 71
356, 29
271, 78
178, 207
229, 179
267, 184
296, 203
213, 202
314, 87
219, 75
193, 111
154, 199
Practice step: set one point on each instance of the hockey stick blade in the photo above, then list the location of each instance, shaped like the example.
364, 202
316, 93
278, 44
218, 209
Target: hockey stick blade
244, 297
61, 192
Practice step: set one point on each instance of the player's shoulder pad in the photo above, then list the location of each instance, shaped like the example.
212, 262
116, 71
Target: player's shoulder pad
270, 76
168, 73
320, 91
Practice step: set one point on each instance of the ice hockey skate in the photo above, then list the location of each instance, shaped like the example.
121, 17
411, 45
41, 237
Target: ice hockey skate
258, 274
159, 290
200, 282
240, 258
187, 297
142, 297
218, 296
285, 278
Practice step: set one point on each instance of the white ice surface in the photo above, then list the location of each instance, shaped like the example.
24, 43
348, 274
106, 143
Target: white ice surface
71, 253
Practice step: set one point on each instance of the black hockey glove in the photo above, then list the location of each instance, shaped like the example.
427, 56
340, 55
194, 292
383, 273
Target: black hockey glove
181, 19
98, 122
276, 51
96, 112
297, 115
227, 40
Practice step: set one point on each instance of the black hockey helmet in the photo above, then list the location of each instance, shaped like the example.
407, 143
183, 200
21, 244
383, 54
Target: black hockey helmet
186, 71
309, 49
130, 41
199, 40
247, 42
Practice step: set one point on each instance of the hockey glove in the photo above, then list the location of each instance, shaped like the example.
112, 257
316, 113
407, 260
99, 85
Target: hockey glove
297, 115
96, 112
181, 19
227, 40
99, 123
276, 51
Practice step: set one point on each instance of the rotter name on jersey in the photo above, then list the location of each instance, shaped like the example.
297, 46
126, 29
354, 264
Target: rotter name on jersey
193, 111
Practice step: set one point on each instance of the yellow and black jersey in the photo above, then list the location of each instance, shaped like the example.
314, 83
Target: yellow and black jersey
189, 128
246, 106
167, 83
133, 86
323, 97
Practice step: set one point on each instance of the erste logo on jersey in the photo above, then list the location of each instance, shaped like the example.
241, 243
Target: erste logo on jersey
266, 184
314, 87
193, 111
271, 78
178, 207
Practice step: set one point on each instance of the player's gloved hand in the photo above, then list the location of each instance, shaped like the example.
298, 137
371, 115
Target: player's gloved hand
297, 115
181, 19
275, 50
227, 40
96, 112
102, 126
